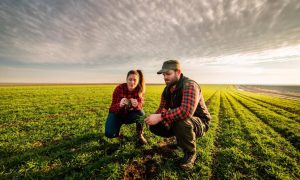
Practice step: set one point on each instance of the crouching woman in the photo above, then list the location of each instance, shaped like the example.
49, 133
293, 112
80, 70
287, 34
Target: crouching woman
127, 106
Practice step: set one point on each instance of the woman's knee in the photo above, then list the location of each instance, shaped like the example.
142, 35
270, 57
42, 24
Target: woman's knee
139, 113
142, 113
135, 117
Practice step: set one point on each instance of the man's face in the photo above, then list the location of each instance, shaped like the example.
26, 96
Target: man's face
171, 77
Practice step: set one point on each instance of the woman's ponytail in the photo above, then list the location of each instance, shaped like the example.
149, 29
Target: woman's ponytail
142, 86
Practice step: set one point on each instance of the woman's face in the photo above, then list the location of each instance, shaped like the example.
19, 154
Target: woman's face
132, 81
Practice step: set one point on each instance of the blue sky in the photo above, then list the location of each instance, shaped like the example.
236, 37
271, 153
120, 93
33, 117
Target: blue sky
97, 41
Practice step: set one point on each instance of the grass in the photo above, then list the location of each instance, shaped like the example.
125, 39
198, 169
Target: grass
53, 132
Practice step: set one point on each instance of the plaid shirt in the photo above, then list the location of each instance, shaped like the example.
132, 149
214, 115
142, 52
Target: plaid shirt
121, 91
190, 100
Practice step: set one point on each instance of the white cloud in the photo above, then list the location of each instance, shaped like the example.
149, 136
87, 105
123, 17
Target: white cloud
129, 34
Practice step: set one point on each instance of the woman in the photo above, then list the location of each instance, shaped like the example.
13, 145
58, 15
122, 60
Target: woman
127, 106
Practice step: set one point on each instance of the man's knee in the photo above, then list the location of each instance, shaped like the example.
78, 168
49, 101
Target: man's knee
183, 127
191, 125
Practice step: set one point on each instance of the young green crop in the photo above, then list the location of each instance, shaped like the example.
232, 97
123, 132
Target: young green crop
275, 109
287, 104
57, 131
286, 127
275, 157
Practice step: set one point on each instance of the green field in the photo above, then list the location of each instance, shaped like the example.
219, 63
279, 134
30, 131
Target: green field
52, 131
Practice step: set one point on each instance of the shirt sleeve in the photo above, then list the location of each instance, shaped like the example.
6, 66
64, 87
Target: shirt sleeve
115, 105
190, 99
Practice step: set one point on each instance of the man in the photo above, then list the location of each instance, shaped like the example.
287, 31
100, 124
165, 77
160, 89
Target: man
182, 112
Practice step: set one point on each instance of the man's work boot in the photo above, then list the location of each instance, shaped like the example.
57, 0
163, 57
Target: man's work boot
188, 160
140, 134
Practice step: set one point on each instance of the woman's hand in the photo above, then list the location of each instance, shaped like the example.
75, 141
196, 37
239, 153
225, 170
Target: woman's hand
123, 102
134, 102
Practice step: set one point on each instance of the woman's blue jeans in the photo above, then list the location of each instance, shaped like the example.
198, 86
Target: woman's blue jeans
114, 122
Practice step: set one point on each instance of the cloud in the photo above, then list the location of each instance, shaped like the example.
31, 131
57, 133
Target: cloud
121, 32
272, 55
100, 40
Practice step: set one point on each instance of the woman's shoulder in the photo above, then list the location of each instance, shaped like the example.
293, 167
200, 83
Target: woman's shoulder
120, 86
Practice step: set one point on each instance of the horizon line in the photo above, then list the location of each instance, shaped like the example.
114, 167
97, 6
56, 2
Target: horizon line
65, 83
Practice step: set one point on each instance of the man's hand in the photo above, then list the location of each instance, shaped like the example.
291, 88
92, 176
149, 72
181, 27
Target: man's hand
134, 102
123, 102
153, 119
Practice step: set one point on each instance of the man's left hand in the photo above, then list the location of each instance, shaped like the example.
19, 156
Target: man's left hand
134, 102
153, 119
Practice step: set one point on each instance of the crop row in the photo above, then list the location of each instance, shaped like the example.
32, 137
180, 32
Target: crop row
288, 128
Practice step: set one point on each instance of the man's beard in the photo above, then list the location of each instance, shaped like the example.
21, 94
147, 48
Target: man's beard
172, 82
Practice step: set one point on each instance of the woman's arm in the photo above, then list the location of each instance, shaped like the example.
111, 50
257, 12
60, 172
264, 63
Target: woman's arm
115, 105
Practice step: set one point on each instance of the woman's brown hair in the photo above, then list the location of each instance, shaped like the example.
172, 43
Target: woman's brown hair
141, 85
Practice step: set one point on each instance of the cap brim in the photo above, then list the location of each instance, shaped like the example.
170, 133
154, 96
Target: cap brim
162, 71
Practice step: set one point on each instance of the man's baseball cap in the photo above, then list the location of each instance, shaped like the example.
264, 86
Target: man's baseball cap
169, 65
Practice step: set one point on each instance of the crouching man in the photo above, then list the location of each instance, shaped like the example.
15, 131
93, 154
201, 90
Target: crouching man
182, 112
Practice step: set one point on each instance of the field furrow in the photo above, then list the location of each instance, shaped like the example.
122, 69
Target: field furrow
286, 127
275, 156
234, 157
279, 111
292, 106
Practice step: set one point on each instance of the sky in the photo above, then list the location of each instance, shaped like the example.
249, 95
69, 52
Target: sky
99, 41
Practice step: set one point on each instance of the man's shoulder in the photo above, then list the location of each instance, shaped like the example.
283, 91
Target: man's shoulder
190, 82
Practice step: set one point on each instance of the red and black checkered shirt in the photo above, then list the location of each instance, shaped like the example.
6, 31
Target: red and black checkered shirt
121, 91
190, 99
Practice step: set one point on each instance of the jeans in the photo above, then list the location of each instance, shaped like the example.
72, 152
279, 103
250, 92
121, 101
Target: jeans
114, 122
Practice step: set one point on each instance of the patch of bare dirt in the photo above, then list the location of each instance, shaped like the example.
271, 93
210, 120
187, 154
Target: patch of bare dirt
148, 167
